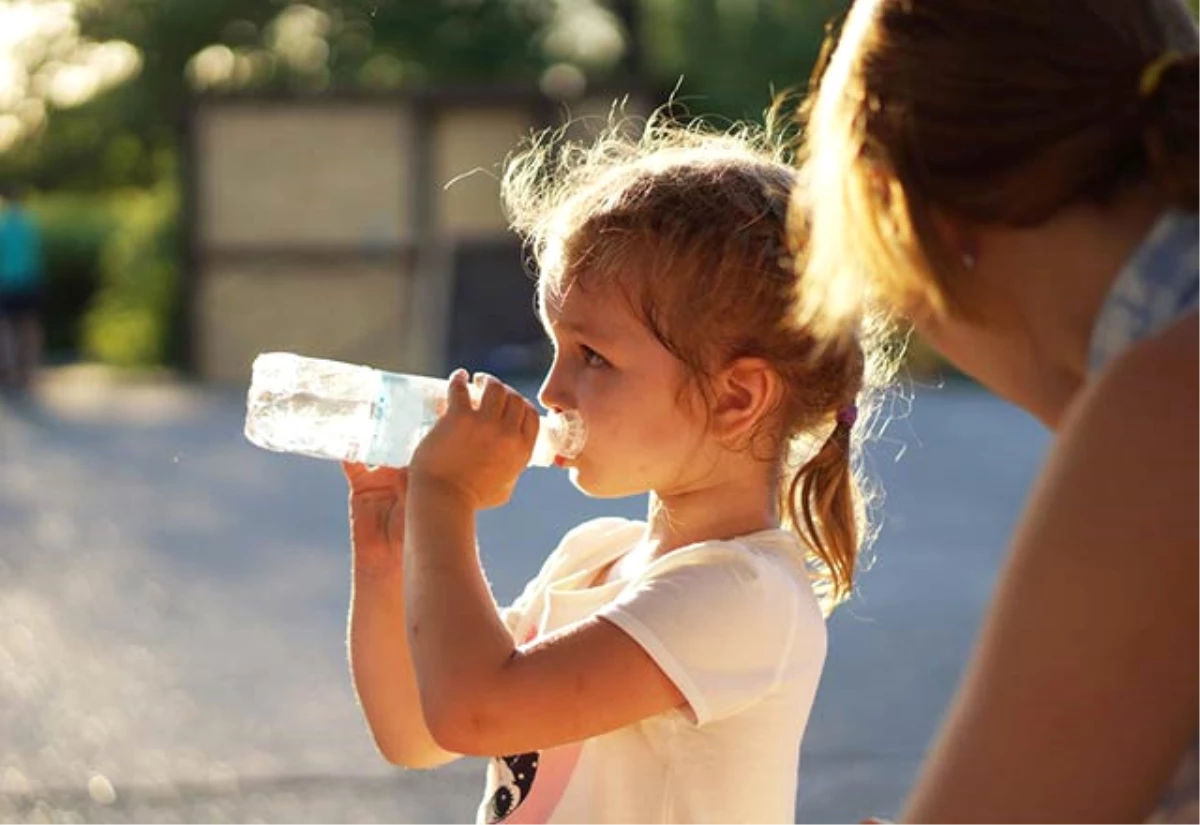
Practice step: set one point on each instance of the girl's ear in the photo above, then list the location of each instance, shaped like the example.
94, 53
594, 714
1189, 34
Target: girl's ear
746, 391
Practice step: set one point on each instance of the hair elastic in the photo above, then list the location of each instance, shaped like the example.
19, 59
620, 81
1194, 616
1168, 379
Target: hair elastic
847, 415
1154, 71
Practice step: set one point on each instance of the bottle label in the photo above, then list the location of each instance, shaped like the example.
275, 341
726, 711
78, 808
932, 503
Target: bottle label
405, 409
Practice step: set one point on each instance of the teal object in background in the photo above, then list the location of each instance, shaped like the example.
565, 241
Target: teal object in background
20, 251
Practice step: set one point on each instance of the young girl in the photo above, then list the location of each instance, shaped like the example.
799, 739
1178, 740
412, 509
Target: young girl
656, 671
1020, 178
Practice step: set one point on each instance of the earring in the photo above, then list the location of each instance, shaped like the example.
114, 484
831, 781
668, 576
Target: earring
968, 260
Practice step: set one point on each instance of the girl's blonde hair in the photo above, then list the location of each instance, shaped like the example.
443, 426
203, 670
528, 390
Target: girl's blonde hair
691, 225
989, 111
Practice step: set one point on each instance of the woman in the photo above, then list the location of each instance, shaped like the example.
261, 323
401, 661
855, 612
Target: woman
1019, 178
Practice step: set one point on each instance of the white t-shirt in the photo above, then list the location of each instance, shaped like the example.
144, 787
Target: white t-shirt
736, 627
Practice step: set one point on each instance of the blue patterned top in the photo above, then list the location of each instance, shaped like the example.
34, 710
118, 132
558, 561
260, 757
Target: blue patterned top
1159, 284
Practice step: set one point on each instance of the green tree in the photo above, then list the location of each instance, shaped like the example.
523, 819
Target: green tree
121, 136
731, 58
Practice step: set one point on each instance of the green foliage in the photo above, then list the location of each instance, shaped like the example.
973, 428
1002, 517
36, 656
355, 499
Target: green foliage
732, 59
131, 319
120, 137
74, 229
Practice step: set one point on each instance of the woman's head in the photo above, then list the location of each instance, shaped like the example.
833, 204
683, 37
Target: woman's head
934, 113
666, 281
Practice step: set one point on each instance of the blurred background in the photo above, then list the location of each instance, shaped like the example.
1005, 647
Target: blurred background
208, 180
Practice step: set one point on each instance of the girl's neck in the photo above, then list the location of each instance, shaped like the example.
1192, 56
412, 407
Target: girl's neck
723, 510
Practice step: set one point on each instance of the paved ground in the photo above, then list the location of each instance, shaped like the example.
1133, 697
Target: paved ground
172, 607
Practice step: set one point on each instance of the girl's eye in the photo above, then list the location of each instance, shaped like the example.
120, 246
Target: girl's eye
591, 357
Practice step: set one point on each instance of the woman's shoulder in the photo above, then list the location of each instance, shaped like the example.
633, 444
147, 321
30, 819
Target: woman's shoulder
1128, 446
1151, 385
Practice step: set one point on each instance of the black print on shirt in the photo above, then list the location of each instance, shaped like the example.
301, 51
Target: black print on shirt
514, 777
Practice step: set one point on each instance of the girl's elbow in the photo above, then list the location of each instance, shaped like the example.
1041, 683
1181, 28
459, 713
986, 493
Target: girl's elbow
460, 726
411, 755
414, 760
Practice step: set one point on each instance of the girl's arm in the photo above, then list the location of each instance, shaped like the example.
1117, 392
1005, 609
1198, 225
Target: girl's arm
1081, 696
380, 662
480, 693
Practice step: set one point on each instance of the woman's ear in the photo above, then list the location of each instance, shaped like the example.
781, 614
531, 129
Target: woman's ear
962, 238
746, 391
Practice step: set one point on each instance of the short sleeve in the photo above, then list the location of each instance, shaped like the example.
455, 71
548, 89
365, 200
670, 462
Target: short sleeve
721, 622
574, 550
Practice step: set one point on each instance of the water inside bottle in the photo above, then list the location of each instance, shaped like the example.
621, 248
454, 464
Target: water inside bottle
347, 412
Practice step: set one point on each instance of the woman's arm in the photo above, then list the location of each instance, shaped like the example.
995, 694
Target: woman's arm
1081, 695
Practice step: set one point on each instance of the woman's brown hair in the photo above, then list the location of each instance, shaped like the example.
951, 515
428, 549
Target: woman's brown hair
989, 111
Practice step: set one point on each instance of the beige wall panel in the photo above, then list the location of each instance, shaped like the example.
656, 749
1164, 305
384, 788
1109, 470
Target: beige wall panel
358, 314
467, 139
309, 174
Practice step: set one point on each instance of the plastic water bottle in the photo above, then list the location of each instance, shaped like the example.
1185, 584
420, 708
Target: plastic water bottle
347, 412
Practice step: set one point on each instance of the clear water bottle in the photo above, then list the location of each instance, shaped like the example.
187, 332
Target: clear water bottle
347, 412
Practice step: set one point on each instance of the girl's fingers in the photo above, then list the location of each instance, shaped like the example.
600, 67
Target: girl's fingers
458, 397
529, 422
362, 477
358, 474
515, 408
493, 395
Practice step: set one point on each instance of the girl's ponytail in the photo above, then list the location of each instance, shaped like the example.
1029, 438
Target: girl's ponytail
823, 504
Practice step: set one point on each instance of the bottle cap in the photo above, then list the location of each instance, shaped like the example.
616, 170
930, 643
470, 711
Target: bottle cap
561, 434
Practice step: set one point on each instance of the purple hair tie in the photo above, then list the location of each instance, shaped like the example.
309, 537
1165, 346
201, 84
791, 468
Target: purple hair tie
847, 415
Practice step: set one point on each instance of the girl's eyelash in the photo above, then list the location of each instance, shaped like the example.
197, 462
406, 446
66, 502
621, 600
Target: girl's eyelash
591, 357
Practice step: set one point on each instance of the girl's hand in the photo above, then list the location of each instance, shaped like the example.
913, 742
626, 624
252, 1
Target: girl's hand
478, 452
376, 514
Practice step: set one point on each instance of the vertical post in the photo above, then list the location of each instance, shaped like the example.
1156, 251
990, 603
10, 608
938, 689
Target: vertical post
431, 280
184, 341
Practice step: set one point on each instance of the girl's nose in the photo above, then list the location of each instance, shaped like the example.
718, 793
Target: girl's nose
553, 395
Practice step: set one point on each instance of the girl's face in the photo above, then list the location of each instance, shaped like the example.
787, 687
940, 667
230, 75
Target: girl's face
645, 422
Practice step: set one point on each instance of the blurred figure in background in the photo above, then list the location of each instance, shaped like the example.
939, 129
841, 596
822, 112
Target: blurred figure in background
22, 278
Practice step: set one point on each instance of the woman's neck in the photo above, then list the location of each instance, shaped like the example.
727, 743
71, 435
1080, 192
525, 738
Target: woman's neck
1068, 266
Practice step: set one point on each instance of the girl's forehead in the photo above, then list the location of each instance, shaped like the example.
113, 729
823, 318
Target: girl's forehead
598, 308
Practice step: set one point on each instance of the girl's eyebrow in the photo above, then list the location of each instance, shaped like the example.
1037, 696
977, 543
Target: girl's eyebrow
579, 329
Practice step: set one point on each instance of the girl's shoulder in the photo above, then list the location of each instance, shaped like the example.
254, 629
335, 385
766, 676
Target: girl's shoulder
594, 536
767, 565
766, 549
591, 543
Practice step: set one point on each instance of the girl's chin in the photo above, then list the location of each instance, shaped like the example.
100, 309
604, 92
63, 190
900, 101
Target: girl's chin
593, 487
